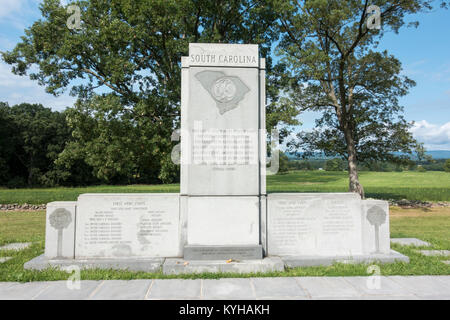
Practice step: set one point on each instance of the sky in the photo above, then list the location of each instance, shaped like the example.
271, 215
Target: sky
423, 51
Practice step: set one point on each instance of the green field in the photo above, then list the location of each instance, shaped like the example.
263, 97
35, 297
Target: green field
412, 185
432, 225
426, 186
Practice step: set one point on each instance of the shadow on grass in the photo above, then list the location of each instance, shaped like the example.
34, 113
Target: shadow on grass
307, 176
386, 195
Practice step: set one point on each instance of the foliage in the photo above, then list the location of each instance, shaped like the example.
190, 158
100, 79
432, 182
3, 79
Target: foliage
31, 137
334, 69
119, 147
124, 65
421, 169
335, 164
283, 163
447, 165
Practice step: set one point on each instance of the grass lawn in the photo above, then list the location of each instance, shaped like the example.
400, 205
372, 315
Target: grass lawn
426, 186
432, 225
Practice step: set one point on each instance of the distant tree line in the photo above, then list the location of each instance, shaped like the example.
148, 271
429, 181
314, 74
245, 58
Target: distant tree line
78, 146
337, 164
32, 138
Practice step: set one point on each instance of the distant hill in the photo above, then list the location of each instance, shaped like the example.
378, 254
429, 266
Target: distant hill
436, 154
439, 154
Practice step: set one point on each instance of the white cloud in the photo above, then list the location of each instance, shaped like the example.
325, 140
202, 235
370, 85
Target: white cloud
413, 69
435, 137
426, 70
8, 7
16, 14
10, 81
16, 89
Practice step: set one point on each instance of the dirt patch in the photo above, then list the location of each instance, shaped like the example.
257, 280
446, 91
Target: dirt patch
399, 212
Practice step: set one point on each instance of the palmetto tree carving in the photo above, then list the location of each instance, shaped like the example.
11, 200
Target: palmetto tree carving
376, 216
60, 219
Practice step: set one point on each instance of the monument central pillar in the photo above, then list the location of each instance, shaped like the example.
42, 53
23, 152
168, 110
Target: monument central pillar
223, 151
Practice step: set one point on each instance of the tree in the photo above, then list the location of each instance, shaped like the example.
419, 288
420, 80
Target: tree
334, 165
129, 51
283, 163
329, 50
118, 147
31, 137
8, 136
421, 168
447, 165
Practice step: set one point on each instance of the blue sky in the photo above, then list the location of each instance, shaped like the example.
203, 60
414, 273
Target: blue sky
424, 53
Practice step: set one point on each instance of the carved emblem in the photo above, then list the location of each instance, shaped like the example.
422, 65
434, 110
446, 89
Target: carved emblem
60, 219
227, 91
376, 216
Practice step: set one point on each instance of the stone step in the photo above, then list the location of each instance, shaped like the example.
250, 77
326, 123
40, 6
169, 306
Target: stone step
181, 266
434, 253
15, 246
411, 242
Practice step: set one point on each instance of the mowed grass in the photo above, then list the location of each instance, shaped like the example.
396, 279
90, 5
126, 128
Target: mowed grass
425, 186
432, 225
46, 195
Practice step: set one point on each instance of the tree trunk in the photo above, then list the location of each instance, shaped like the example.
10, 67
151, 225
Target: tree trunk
354, 185
30, 173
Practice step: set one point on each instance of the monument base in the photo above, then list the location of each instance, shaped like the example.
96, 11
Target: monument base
130, 264
184, 266
179, 234
181, 266
197, 252
155, 265
310, 261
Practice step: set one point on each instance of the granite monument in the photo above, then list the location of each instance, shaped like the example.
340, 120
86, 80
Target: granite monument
222, 219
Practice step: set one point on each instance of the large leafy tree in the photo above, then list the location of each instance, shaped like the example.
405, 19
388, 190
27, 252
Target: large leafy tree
8, 136
330, 51
118, 148
31, 139
128, 53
